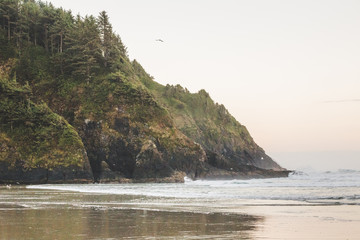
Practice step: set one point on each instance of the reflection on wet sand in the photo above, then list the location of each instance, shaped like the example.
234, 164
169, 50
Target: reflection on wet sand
40, 214
121, 223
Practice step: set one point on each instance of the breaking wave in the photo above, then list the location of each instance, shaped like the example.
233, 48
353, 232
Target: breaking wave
340, 187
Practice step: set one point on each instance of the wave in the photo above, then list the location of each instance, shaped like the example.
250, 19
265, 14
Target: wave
340, 187
296, 179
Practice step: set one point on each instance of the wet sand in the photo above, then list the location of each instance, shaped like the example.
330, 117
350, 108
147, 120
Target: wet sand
121, 224
49, 214
308, 222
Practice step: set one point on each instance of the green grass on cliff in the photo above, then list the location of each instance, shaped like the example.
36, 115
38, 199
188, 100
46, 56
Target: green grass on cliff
31, 134
197, 116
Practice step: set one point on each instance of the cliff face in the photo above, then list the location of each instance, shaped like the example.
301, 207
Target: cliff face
227, 142
74, 108
37, 145
130, 134
122, 130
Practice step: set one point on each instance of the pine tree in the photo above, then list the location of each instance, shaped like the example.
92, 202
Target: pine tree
47, 19
105, 30
112, 47
30, 20
9, 10
62, 24
80, 47
84, 52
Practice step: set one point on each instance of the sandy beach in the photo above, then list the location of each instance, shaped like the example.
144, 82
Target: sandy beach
308, 222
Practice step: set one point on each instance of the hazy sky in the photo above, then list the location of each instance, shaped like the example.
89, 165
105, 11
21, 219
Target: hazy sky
287, 70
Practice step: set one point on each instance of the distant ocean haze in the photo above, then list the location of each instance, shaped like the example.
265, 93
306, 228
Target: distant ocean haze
318, 160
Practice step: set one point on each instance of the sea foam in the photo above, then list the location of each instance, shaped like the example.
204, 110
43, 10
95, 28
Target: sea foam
342, 187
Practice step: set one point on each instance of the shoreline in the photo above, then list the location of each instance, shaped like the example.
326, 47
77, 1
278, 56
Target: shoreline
178, 177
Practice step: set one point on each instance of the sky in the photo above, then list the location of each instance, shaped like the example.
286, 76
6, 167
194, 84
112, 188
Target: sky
287, 70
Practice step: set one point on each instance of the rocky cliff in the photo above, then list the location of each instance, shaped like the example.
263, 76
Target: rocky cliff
74, 108
37, 145
211, 125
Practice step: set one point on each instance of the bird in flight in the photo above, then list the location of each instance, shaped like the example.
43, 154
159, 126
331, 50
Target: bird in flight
159, 40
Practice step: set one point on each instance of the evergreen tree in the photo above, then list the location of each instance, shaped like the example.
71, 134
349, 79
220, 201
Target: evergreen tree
84, 52
47, 19
29, 20
9, 10
112, 47
62, 24
105, 30
81, 47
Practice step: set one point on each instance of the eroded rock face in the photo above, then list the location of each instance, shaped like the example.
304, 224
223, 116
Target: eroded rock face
115, 156
95, 145
149, 163
253, 155
19, 175
108, 175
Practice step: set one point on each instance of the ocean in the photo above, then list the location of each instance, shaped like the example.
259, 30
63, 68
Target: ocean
338, 187
306, 205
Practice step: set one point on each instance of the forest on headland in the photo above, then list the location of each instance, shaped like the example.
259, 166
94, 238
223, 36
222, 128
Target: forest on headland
75, 108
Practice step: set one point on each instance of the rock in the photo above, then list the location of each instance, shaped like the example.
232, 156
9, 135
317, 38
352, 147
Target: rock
149, 163
20, 175
111, 176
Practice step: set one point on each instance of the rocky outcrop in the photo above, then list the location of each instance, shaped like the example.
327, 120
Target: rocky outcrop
19, 175
129, 138
64, 119
228, 144
129, 158
149, 162
138, 156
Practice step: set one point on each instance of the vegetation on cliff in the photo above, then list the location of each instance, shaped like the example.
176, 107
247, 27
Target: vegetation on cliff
73, 89
31, 135
209, 124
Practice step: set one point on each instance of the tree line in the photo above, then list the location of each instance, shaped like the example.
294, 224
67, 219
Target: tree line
78, 46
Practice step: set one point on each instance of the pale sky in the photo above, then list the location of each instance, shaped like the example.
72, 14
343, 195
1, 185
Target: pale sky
287, 70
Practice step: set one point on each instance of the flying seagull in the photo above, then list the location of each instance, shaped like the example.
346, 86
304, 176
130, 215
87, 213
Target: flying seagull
159, 40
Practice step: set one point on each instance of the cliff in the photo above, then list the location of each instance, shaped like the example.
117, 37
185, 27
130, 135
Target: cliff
37, 145
74, 108
227, 142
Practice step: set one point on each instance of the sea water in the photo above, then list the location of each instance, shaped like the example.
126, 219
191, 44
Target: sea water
339, 187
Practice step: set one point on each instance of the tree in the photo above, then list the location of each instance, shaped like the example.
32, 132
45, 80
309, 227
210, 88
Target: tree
60, 27
81, 46
47, 19
9, 10
112, 47
63, 23
29, 20
84, 51
105, 30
